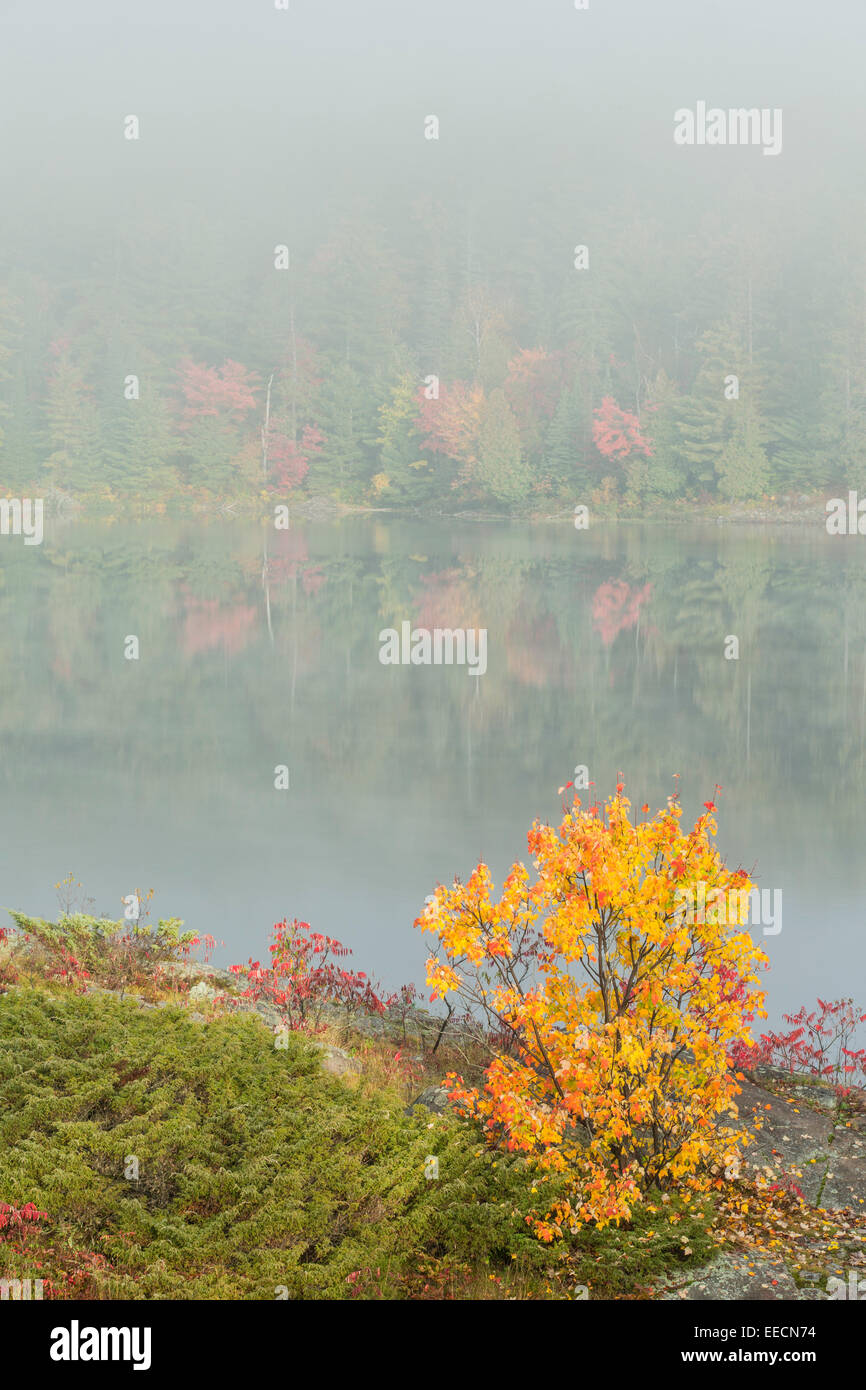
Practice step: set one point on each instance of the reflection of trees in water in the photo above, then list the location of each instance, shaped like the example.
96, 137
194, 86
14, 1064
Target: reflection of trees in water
616, 608
609, 652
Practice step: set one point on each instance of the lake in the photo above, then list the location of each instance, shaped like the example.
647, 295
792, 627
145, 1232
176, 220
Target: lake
260, 648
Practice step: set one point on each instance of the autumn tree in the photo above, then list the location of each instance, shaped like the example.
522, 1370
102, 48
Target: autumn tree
617, 432
619, 1000
289, 461
406, 473
536, 380
217, 402
450, 425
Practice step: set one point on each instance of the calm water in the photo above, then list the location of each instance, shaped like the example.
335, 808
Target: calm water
259, 648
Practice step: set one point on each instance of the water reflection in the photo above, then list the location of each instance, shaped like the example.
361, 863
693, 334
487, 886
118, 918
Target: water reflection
257, 648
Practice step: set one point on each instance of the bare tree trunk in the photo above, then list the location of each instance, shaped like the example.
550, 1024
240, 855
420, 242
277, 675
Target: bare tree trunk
266, 427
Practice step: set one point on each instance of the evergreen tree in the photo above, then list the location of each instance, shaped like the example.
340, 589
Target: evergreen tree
568, 444
342, 467
147, 465
712, 414
402, 459
663, 472
25, 324
743, 469
353, 293
7, 351
501, 471
74, 460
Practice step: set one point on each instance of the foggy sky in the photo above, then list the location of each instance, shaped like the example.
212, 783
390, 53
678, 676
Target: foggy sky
234, 94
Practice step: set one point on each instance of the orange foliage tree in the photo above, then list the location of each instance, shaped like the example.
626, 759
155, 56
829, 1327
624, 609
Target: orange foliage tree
618, 1009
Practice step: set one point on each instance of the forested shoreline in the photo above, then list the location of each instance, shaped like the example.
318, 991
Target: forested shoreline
404, 356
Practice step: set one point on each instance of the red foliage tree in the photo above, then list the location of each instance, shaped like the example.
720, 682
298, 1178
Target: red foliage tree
225, 392
450, 424
536, 379
818, 1044
289, 461
304, 977
617, 433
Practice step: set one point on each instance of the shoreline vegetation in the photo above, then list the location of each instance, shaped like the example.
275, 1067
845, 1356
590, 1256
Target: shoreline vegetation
807, 510
170, 1129
379, 362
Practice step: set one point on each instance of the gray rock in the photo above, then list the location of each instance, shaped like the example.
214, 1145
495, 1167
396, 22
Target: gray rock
432, 1098
338, 1062
198, 970
736, 1278
787, 1141
202, 993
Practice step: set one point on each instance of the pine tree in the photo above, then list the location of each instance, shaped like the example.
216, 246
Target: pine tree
663, 471
7, 349
568, 444
353, 293
342, 467
742, 468
74, 460
707, 419
501, 471
150, 446
401, 455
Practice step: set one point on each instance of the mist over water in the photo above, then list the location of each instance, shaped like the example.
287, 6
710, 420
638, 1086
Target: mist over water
603, 650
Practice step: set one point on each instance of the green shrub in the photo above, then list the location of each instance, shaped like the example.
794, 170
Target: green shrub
255, 1169
116, 955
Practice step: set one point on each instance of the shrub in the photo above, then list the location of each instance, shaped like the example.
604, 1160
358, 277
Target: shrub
621, 1012
255, 1169
817, 1044
304, 978
116, 955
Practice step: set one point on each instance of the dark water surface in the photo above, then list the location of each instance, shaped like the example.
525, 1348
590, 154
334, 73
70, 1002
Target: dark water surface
258, 648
